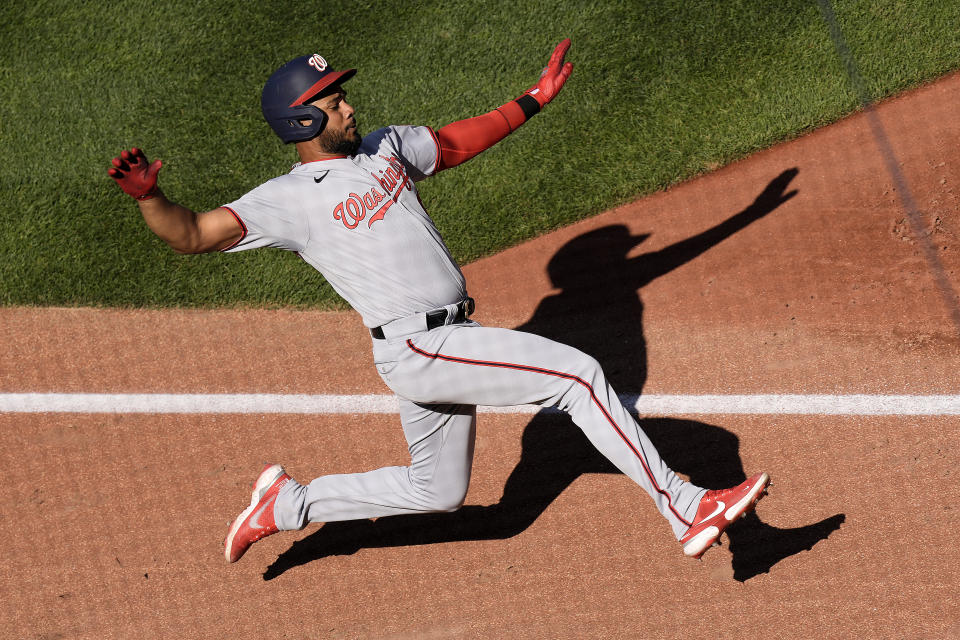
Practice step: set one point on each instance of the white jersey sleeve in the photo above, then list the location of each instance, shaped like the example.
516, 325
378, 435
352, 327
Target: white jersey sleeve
271, 217
418, 147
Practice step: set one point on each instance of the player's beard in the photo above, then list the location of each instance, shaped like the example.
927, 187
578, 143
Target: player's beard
341, 142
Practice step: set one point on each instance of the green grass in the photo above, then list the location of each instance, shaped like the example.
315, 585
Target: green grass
662, 90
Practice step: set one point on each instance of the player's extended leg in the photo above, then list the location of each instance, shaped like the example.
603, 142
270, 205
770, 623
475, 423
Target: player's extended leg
501, 367
440, 439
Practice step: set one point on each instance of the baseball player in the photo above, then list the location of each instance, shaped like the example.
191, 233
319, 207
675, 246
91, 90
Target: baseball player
350, 209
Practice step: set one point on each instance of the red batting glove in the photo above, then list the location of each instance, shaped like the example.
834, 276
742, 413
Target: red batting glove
553, 77
134, 176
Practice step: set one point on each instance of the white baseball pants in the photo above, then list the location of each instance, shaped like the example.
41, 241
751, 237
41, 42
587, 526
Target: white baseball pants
440, 377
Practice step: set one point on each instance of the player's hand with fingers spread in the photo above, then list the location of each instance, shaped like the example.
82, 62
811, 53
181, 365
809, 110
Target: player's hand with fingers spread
554, 76
134, 175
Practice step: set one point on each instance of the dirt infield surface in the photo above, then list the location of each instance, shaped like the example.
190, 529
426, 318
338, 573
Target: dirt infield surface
792, 272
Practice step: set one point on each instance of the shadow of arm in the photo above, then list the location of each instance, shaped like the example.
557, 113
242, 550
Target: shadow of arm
653, 265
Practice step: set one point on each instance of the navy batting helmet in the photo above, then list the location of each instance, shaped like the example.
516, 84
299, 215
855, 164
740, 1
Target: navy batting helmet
290, 86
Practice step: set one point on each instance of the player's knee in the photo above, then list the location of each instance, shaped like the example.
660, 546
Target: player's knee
439, 504
449, 501
445, 499
585, 366
591, 365
449, 507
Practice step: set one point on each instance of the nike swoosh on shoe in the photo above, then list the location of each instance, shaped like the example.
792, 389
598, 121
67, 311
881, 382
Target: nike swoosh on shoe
255, 521
720, 507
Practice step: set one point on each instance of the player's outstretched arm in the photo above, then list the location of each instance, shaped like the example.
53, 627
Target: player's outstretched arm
465, 139
184, 230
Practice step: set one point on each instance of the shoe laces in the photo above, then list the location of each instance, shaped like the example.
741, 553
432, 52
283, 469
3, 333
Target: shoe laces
720, 494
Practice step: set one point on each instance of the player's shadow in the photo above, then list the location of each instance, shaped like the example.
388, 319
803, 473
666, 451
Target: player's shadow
598, 311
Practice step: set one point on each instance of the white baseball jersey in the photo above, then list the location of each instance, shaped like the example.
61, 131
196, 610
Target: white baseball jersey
360, 222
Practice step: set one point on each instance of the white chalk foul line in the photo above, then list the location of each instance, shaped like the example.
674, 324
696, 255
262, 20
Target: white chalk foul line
764, 404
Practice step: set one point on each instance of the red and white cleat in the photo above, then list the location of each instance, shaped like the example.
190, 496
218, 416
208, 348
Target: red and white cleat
256, 521
720, 508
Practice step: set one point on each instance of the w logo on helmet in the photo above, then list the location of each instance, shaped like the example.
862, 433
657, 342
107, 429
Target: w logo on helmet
317, 62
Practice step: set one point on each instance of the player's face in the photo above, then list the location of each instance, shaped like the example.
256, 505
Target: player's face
340, 135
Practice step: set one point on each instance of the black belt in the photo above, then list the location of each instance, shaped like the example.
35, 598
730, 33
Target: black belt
438, 317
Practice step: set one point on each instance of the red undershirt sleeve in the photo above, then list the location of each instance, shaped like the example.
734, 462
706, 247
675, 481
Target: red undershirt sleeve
462, 140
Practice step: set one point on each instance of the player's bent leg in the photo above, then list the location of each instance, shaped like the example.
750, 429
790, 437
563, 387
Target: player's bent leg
440, 440
502, 367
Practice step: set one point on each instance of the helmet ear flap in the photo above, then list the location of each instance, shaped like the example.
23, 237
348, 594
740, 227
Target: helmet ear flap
285, 121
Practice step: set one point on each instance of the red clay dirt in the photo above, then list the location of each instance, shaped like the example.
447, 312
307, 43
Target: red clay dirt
114, 523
